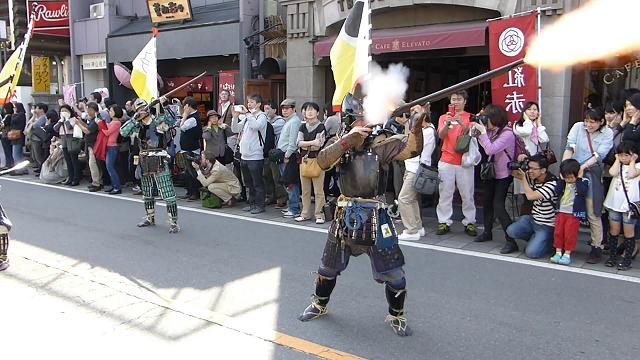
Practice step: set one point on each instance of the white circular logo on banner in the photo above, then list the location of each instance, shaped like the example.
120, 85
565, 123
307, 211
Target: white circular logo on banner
511, 42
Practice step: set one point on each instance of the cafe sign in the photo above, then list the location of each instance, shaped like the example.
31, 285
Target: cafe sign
49, 17
163, 11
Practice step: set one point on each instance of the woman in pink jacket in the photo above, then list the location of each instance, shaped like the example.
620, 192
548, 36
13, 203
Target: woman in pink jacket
497, 139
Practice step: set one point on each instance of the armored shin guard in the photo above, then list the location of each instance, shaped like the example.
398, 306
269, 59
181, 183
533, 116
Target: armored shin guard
4, 248
320, 299
396, 318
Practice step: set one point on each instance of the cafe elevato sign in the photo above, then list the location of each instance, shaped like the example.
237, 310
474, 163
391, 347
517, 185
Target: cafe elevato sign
163, 11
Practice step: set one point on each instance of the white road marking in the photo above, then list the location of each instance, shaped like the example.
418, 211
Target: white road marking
445, 249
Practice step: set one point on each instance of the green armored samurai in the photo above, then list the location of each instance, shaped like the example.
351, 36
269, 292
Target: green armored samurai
152, 135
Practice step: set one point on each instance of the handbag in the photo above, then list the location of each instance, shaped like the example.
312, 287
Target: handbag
74, 145
41, 133
228, 157
427, 180
634, 207
472, 157
291, 173
14, 134
487, 170
276, 155
463, 141
309, 167
549, 155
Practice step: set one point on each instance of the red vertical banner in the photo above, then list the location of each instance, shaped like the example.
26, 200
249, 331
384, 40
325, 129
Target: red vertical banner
508, 41
227, 81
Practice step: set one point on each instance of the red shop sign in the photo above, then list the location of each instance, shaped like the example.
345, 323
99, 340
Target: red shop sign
50, 17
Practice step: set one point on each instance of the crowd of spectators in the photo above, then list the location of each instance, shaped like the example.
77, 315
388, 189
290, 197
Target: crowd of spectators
262, 153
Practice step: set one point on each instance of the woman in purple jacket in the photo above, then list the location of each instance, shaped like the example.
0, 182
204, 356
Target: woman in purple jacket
498, 141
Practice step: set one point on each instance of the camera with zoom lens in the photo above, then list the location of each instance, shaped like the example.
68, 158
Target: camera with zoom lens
515, 165
480, 118
191, 158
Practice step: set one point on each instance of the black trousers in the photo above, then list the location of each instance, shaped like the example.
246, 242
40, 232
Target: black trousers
73, 165
495, 194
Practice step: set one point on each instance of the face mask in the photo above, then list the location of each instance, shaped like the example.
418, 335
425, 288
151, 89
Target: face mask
65, 115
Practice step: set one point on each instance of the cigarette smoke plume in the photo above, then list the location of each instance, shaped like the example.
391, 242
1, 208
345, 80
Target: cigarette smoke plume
598, 30
384, 91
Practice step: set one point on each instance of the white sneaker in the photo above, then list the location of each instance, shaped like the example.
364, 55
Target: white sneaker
421, 232
409, 237
319, 221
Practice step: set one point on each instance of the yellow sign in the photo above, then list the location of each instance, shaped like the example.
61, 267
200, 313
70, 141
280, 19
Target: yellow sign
162, 11
40, 75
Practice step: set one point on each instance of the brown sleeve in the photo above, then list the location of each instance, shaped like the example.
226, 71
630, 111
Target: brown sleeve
328, 157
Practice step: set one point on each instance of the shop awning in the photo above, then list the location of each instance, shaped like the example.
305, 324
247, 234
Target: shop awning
418, 38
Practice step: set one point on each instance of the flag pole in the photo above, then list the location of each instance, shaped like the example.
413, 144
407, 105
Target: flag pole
539, 68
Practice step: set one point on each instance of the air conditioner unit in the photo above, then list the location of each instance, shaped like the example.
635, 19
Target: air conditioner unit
96, 10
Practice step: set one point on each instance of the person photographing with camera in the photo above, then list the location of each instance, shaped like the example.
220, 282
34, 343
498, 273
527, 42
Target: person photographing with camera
251, 123
539, 187
190, 137
452, 174
498, 141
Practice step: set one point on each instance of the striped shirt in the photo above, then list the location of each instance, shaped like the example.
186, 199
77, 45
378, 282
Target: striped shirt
544, 210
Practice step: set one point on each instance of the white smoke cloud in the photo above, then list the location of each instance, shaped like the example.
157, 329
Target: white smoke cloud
384, 90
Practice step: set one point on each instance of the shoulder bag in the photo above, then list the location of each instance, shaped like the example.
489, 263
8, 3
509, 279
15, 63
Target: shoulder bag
14, 134
549, 155
463, 141
634, 207
427, 180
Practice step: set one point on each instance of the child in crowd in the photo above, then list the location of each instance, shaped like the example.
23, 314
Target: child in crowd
571, 210
624, 189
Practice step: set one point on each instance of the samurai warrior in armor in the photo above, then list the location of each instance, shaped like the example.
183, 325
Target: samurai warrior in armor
361, 223
153, 136
5, 227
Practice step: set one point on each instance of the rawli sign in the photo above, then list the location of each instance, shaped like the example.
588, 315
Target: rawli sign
162, 11
49, 17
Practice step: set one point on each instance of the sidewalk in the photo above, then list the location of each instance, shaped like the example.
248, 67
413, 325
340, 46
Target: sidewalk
456, 239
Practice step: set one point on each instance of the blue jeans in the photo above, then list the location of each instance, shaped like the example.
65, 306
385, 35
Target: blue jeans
112, 155
539, 237
294, 194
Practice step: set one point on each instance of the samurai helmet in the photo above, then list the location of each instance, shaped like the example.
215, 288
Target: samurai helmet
139, 103
352, 110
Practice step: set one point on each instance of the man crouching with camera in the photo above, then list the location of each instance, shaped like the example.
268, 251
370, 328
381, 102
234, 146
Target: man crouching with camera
539, 187
217, 178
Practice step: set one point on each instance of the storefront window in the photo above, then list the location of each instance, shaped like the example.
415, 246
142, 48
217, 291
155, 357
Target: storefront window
605, 82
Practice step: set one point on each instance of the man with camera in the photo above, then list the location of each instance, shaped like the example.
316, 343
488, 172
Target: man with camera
453, 175
217, 178
539, 187
190, 136
251, 123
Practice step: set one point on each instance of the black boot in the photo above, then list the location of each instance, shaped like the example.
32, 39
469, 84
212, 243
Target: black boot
629, 244
396, 318
4, 247
320, 299
612, 243
510, 246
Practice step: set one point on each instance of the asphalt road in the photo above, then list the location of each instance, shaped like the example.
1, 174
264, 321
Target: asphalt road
460, 307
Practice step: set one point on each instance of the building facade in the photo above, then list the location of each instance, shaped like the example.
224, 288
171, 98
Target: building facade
459, 51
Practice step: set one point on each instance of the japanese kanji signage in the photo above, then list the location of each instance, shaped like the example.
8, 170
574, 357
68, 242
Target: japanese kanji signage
50, 17
40, 74
227, 81
508, 40
162, 11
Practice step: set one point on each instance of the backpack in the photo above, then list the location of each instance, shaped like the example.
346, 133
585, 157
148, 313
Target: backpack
269, 142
